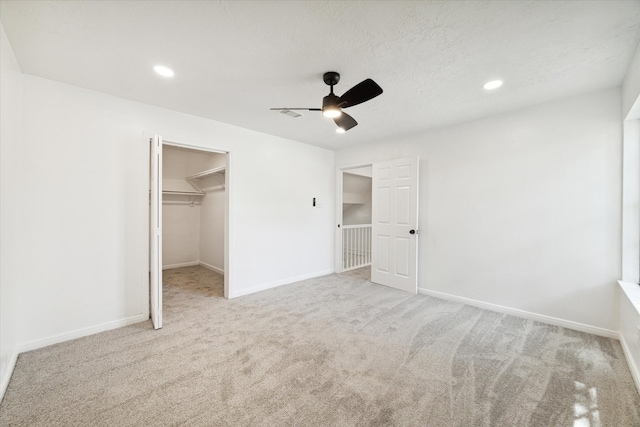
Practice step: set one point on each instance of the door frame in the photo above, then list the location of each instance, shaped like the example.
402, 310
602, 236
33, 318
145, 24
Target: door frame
339, 190
155, 226
228, 180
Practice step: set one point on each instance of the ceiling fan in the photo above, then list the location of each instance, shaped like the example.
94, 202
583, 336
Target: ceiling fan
332, 104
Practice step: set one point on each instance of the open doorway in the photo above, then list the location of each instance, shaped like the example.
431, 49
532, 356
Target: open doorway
188, 223
377, 217
356, 218
193, 208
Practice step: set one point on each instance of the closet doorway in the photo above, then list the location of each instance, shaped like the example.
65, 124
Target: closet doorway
189, 221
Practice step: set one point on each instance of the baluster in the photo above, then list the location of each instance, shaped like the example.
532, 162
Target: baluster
360, 247
349, 249
369, 245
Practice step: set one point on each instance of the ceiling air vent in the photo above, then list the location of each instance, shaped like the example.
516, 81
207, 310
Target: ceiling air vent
291, 113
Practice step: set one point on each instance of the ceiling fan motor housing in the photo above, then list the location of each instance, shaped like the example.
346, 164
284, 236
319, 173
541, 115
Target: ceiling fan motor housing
330, 100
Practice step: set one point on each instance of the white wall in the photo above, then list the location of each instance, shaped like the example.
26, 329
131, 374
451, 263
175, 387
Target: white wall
353, 214
10, 223
522, 210
84, 198
180, 235
356, 199
179, 163
631, 89
212, 218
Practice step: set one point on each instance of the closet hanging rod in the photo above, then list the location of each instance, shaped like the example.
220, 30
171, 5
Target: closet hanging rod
187, 193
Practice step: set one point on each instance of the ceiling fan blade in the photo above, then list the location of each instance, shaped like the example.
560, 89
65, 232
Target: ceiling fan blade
306, 109
345, 121
363, 91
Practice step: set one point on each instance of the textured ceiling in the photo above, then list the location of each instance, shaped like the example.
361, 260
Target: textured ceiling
234, 60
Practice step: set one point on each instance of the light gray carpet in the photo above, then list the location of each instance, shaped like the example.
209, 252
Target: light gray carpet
332, 351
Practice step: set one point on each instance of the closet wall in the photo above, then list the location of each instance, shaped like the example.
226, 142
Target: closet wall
193, 226
212, 213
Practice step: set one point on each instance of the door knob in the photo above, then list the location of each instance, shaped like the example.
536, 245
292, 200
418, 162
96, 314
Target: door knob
412, 232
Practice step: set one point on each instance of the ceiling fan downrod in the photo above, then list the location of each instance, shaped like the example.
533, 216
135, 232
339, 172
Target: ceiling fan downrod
330, 107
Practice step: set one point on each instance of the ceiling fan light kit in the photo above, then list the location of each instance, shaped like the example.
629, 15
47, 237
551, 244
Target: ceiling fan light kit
332, 105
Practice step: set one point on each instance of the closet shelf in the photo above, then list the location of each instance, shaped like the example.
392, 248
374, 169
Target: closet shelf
205, 174
178, 196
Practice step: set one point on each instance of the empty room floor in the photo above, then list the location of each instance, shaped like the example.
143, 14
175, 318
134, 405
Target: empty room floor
331, 351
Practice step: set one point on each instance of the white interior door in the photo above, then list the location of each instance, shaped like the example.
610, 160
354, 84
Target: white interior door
155, 232
395, 224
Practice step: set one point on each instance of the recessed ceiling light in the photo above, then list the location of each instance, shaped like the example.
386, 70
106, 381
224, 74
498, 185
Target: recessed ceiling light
493, 84
163, 71
340, 130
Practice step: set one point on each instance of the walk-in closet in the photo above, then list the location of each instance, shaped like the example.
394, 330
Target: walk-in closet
193, 220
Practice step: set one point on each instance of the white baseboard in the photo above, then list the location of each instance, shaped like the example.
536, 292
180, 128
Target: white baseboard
4, 382
635, 369
182, 264
79, 333
525, 314
211, 267
275, 284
